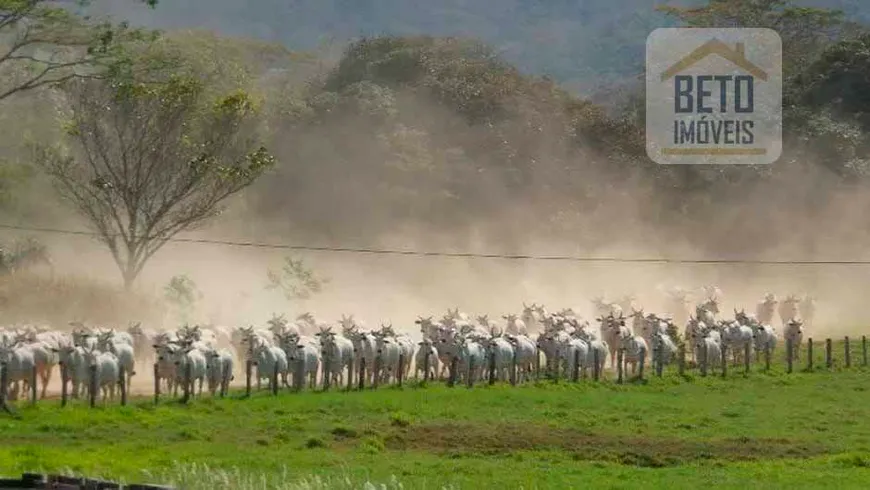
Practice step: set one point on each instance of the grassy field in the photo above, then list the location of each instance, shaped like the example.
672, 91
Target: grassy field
803, 430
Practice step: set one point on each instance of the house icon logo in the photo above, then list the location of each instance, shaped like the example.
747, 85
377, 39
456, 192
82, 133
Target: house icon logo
717, 102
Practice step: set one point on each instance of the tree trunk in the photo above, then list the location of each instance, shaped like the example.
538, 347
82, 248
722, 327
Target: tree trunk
129, 274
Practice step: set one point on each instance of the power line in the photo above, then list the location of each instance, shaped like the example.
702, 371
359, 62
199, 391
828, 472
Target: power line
419, 253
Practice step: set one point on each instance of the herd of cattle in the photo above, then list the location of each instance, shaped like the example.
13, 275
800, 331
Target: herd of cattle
209, 354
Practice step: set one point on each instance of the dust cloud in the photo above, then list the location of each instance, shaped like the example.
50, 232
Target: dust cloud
424, 179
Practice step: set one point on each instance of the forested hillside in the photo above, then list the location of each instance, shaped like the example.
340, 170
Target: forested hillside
587, 45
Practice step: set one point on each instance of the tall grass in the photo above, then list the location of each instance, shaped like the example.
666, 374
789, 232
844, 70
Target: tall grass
203, 477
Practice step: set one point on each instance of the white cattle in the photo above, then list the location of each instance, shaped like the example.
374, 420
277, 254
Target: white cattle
76, 364
499, 351
219, 367
709, 349
635, 348
663, 347
124, 352
765, 310
789, 310
426, 347
514, 326
270, 359
107, 372
388, 351
19, 362
765, 339
574, 349
794, 332
337, 354
167, 371
527, 352
613, 330
142, 338
309, 355
738, 338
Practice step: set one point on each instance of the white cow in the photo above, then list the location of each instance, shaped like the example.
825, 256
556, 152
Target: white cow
73, 358
527, 352
107, 371
106, 342
309, 355
426, 347
219, 366
388, 350
514, 326
501, 351
635, 348
706, 346
19, 362
794, 332
337, 354
766, 309
268, 359
613, 330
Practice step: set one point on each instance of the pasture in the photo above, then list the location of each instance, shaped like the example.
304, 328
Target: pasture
764, 430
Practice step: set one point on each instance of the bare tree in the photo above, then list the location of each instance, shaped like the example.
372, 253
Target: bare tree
42, 43
149, 160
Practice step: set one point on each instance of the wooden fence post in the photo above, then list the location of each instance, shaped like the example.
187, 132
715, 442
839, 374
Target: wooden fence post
619, 365
122, 384
93, 385
747, 353
848, 353
681, 359
660, 358
642, 362
537, 363
724, 359
188, 374
829, 358
492, 367
469, 378
273, 383
249, 366
156, 383
33, 379
704, 360
350, 373
810, 354
596, 368
514, 367
362, 374
767, 357
864, 349
454, 366
575, 375
63, 384
327, 369
401, 369
4, 384
376, 371
789, 354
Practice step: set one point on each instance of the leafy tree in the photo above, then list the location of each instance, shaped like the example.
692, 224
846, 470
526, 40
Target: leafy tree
149, 159
22, 255
295, 280
45, 44
181, 292
805, 31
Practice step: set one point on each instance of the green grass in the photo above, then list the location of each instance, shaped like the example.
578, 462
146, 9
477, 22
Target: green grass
803, 430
